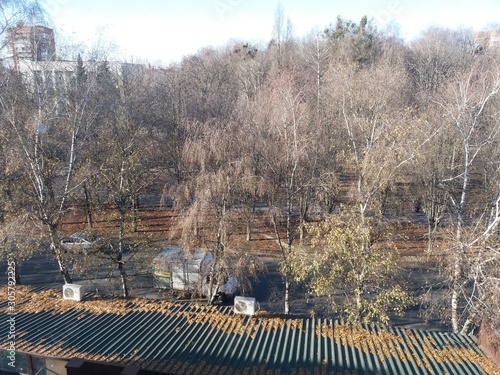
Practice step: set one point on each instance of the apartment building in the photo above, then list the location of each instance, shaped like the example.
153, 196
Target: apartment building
29, 43
487, 40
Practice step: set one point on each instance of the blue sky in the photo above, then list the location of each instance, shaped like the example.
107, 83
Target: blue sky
162, 31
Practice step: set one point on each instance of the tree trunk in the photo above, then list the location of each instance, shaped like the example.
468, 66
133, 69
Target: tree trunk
195, 228
251, 215
17, 275
433, 208
210, 287
88, 206
358, 293
429, 233
457, 276
119, 257
304, 208
212, 292
135, 212
458, 262
55, 247
218, 256
286, 271
287, 295
249, 231
123, 278
62, 267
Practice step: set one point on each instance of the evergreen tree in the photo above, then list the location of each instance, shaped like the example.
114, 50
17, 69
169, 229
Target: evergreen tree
81, 72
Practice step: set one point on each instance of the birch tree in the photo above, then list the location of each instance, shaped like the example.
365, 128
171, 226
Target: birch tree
48, 132
433, 61
16, 230
466, 106
124, 156
281, 119
15, 12
371, 106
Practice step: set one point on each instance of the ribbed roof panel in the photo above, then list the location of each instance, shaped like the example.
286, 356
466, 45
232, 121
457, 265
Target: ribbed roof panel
198, 339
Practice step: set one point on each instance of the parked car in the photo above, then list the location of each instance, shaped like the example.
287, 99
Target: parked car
81, 241
91, 244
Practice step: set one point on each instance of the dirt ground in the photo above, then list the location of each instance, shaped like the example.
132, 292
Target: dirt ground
155, 231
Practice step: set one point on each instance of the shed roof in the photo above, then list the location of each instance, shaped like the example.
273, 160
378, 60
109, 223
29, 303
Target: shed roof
195, 338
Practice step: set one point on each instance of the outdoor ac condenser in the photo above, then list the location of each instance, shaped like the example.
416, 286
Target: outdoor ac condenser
73, 292
244, 305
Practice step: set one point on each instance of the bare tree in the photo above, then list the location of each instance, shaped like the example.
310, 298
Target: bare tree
465, 103
316, 57
371, 104
205, 76
253, 68
281, 118
16, 12
16, 229
47, 132
165, 113
435, 56
433, 61
428, 171
483, 265
282, 39
208, 199
124, 154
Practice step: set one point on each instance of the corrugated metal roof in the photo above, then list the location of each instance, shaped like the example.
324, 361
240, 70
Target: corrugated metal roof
199, 339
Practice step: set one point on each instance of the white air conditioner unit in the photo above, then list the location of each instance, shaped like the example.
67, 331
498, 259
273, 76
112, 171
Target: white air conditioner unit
73, 292
244, 305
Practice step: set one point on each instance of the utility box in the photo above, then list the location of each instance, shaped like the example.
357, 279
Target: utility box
73, 292
244, 305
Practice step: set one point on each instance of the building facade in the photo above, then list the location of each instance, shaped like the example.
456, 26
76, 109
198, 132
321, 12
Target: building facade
487, 40
29, 43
